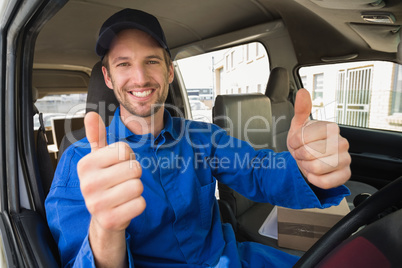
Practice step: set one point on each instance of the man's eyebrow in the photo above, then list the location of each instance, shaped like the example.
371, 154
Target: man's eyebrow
154, 57
120, 59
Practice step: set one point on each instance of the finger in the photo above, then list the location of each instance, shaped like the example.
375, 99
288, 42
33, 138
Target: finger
119, 173
105, 157
320, 166
330, 180
311, 150
95, 131
321, 148
109, 177
131, 209
315, 131
119, 217
115, 196
302, 109
325, 165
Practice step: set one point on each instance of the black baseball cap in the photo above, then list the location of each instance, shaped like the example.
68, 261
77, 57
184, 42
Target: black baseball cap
129, 19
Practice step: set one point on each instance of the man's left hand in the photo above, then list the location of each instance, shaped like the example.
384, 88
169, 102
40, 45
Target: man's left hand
318, 148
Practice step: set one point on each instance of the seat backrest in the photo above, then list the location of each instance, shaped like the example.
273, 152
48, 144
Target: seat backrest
277, 91
247, 117
45, 163
62, 125
100, 99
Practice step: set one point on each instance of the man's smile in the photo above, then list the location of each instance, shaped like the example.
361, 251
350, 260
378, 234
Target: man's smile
142, 94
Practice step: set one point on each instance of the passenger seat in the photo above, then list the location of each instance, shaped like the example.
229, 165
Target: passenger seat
235, 111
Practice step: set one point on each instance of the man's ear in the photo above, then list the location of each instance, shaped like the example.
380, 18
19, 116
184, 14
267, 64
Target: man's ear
108, 80
171, 72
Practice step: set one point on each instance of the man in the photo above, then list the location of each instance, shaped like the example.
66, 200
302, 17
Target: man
157, 209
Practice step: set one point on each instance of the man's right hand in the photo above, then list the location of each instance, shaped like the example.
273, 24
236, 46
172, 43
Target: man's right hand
111, 186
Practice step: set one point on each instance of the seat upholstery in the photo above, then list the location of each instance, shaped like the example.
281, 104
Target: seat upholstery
246, 117
100, 98
46, 163
282, 109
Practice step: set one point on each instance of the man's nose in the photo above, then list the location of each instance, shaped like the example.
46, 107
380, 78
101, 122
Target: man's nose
140, 75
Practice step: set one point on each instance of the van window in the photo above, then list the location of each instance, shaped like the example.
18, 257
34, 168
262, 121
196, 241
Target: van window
64, 105
236, 70
362, 94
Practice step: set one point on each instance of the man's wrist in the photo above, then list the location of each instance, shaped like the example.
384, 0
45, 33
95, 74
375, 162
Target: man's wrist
108, 247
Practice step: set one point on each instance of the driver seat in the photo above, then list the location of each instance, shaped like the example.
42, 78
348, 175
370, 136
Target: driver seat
100, 99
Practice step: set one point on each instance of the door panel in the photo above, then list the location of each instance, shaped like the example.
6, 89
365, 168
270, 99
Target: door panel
376, 155
38, 245
9, 257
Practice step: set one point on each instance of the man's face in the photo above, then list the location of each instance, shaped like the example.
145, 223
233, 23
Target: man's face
138, 73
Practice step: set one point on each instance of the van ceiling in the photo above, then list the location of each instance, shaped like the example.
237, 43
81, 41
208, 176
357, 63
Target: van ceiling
314, 26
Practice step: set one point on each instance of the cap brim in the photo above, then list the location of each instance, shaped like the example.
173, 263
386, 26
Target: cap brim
107, 36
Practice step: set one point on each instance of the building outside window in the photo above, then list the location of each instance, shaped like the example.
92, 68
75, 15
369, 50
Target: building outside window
235, 70
360, 94
397, 91
318, 89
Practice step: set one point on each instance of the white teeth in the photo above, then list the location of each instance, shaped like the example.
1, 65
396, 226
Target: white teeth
142, 94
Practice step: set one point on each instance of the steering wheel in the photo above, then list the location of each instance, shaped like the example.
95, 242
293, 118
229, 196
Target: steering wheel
388, 196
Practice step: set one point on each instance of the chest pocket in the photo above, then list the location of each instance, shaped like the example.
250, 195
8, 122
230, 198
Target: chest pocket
202, 165
206, 199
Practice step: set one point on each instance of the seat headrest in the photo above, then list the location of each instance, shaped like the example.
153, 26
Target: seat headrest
100, 98
278, 85
245, 116
35, 94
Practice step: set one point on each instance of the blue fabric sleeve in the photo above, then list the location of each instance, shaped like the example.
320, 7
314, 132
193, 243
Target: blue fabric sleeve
85, 257
129, 255
68, 217
66, 213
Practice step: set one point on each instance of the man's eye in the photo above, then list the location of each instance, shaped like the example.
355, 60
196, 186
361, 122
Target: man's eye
123, 64
153, 62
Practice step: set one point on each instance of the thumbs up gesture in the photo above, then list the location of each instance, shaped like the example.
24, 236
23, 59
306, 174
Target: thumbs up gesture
319, 150
111, 186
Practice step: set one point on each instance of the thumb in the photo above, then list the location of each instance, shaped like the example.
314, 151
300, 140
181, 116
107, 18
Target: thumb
303, 107
95, 131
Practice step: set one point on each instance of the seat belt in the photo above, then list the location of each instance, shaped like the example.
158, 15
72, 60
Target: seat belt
46, 169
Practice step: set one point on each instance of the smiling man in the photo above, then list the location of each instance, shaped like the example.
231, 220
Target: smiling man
107, 208
136, 53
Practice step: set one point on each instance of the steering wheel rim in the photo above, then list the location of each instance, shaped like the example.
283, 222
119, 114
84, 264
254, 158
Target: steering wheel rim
384, 198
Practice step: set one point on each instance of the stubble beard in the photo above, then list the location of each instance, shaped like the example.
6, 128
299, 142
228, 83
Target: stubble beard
155, 107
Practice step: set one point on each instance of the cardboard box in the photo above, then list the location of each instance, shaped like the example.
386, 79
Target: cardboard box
300, 229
